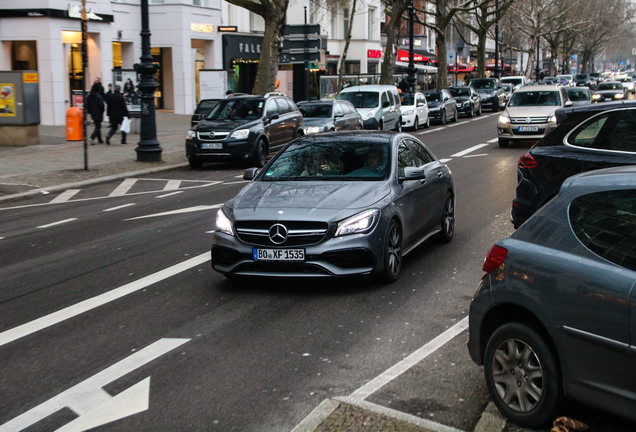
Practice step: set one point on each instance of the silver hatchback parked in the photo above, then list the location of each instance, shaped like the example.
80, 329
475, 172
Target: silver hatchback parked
555, 313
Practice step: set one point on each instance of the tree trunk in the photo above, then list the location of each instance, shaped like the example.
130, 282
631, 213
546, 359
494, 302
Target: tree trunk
271, 48
392, 31
442, 58
343, 59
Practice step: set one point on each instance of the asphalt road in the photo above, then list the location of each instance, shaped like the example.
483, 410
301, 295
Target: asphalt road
109, 309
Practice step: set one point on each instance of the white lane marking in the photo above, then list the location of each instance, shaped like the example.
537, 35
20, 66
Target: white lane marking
57, 223
124, 187
476, 155
119, 207
172, 185
100, 300
398, 369
445, 160
169, 194
183, 210
237, 182
494, 140
93, 405
65, 196
469, 150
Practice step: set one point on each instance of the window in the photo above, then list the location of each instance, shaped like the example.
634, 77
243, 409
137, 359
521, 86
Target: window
371, 24
384, 98
421, 156
272, 107
612, 130
346, 22
404, 158
337, 110
605, 223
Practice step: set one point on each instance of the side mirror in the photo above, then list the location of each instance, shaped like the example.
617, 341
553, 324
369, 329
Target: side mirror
250, 173
385, 104
338, 115
569, 103
413, 173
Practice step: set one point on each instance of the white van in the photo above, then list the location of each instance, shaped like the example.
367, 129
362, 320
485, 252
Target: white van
379, 105
516, 81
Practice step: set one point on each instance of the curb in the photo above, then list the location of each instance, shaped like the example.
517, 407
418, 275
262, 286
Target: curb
93, 181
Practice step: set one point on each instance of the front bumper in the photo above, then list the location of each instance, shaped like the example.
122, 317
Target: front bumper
235, 149
371, 124
352, 255
520, 132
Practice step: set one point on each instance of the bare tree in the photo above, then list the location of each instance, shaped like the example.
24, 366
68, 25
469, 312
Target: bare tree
395, 10
480, 21
345, 50
274, 12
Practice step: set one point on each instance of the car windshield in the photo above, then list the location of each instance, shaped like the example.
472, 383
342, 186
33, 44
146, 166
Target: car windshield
433, 96
335, 160
507, 87
320, 110
459, 91
514, 81
237, 109
535, 98
361, 99
610, 86
408, 99
576, 95
206, 105
486, 84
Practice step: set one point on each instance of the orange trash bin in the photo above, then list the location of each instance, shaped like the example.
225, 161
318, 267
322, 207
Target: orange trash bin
74, 128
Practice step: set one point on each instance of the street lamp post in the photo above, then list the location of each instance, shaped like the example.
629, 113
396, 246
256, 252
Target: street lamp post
537, 70
496, 71
148, 149
411, 69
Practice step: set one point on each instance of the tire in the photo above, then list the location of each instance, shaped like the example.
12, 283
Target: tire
392, 252
472, 111
455, 117
398, 127
503, 143
522, 375
495, 107
195, 163
479, 112
447, 224
428, 122
416, 125
443, 118
380, 126
260, 153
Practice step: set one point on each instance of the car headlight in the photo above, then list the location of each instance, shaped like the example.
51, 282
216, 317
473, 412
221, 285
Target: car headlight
504, 120
408, 112
191, 134
369, 115
619, 96
358, 224
465, 103
596, 96
313, 129
552, 119
223, 223
240, 134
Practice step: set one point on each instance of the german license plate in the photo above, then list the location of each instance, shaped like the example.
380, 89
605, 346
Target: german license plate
528, 128
211, 146
278, 254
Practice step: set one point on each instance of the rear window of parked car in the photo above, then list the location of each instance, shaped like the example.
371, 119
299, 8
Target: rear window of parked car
612, 130
606, 224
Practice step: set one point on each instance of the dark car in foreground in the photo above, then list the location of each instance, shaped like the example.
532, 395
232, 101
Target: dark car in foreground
588, 137
329, 115
467, 99
555, 314
336, 204
244, 128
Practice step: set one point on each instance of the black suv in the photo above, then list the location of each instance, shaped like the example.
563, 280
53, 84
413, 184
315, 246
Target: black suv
244, 128
588, 137
492, 95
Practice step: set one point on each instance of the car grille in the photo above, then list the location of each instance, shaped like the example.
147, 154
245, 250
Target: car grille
298, 232
212, 135
529, 120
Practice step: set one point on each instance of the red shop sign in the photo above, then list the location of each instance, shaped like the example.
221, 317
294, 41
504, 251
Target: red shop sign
374, 53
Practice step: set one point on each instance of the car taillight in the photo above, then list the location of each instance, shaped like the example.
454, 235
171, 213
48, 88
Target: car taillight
527, 161
495, 258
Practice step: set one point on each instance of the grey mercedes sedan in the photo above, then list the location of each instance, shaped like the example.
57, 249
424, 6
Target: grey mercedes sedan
336, 204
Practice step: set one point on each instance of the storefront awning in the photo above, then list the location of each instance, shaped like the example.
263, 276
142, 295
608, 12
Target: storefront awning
419, 67
403, 55
460, 67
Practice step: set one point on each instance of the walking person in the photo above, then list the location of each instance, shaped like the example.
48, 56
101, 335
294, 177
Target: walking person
95, 107
129, 91
117, 110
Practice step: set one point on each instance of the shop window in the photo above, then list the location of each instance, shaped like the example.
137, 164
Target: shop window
352, 67
24, 55
371, 24
346, 22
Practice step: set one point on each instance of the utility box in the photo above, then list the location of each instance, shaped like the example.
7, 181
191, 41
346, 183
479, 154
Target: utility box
19, 108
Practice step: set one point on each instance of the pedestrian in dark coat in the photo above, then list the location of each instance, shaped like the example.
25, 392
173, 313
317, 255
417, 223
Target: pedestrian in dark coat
117, 110
95, 107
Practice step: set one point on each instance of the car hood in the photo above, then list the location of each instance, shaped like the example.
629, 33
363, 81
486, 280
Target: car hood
306, 199
461, 98
434, 104
486, 92
224, 125
317, 121
609, 92
531, 111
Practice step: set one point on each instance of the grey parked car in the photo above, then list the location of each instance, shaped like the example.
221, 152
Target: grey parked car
336, 204
442, 106
555, 313
329, 115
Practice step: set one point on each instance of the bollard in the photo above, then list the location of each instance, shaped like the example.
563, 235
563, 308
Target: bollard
74, 127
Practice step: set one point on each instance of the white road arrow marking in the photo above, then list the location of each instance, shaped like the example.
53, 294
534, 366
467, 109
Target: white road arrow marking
93, 405
183, 210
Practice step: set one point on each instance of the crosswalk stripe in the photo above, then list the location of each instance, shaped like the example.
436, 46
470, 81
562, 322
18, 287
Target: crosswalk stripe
172, 185
124, 187
65, 196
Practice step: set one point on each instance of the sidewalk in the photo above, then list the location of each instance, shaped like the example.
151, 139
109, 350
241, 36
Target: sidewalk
56, 165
